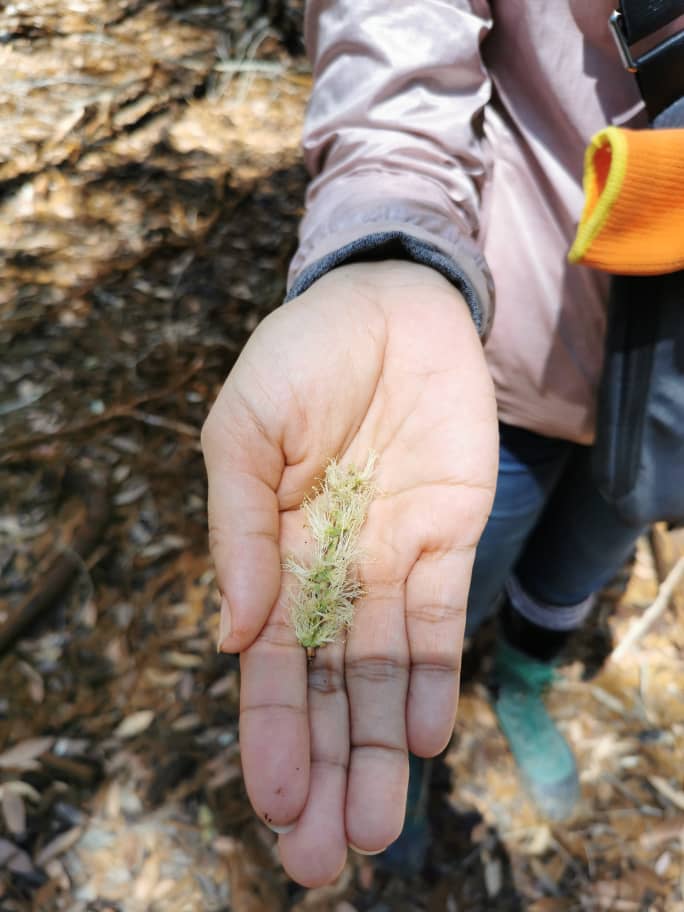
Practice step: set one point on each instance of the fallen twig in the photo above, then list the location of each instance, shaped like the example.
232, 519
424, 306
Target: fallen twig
180, 427
59, 573
122, 410
269, 67
651, 615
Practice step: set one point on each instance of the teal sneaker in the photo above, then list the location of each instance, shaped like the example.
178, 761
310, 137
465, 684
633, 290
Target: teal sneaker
545, 762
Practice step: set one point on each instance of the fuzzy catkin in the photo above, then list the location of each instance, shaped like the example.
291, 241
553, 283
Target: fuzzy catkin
323, 604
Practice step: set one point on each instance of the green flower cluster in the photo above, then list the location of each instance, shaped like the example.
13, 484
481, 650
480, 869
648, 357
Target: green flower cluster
323, 602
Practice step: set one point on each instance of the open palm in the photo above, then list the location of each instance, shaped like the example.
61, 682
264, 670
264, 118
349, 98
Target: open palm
376, 357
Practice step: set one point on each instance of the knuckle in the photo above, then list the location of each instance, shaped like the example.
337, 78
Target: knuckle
376, 670
331, 762
435, 612
326, 681
278, 632
444, 664
383, 747
270, 706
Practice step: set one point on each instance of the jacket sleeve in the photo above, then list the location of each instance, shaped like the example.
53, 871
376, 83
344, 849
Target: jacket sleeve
391, 139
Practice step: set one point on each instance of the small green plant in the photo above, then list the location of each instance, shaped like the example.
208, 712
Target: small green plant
323, 603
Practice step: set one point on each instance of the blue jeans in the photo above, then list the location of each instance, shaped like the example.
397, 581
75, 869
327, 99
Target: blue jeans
549, 527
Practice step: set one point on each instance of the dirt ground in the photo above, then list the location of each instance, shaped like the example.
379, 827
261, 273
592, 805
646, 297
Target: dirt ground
150, 185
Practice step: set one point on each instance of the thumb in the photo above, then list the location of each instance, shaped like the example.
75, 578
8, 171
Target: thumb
244, 467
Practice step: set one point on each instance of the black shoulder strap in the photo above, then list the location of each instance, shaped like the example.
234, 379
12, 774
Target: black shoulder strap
641, 18
659, 70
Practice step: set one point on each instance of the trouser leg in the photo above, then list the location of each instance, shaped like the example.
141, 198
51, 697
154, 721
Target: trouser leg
577, 546
551, 542
530, 467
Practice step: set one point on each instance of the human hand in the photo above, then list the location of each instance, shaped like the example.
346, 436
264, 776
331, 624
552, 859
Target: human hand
377, 357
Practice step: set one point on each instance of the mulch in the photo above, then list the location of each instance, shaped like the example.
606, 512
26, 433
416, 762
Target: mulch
151, 184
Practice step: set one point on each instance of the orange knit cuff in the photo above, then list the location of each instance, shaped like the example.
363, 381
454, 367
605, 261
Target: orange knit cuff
633, 218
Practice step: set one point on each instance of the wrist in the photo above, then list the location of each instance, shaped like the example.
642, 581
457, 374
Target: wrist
460, 270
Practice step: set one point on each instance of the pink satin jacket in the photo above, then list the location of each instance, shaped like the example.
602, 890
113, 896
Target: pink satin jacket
464, 125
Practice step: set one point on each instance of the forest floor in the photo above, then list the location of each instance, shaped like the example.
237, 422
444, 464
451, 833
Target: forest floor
150, 188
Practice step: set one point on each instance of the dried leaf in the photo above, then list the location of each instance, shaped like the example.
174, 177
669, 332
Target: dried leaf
14, 859
663, 863
58, 846
321, 899
71, 747
23, 756
134, 724
675, 796
19, 787
223, 776
250, 887
493, 877
147, 880
36, 684
166, 679
658, 833
182, 659
187, 722
229, 684
539, 841
130, 492
608, 700
14, 812
644, 879
550, 904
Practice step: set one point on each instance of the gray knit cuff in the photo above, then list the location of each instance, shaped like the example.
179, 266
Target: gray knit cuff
394, 245
543, 614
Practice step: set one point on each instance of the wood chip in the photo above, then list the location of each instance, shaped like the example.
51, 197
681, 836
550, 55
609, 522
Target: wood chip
182, 659
662, 863
70, 770
608, 700
540, 840
14, 812
147, 880
135, 724
131, 492
14, 859
23, 756
19, 787
156, 189
188, 722
58, 846
229, 684
668, 791
493, 877
224, 776
167, 679
36, 685
551, 904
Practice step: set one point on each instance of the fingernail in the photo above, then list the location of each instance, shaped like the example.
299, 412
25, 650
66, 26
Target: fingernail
225, 625
281, 830
364, 852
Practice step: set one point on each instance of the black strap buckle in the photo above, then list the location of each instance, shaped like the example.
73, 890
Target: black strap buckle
659, 69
